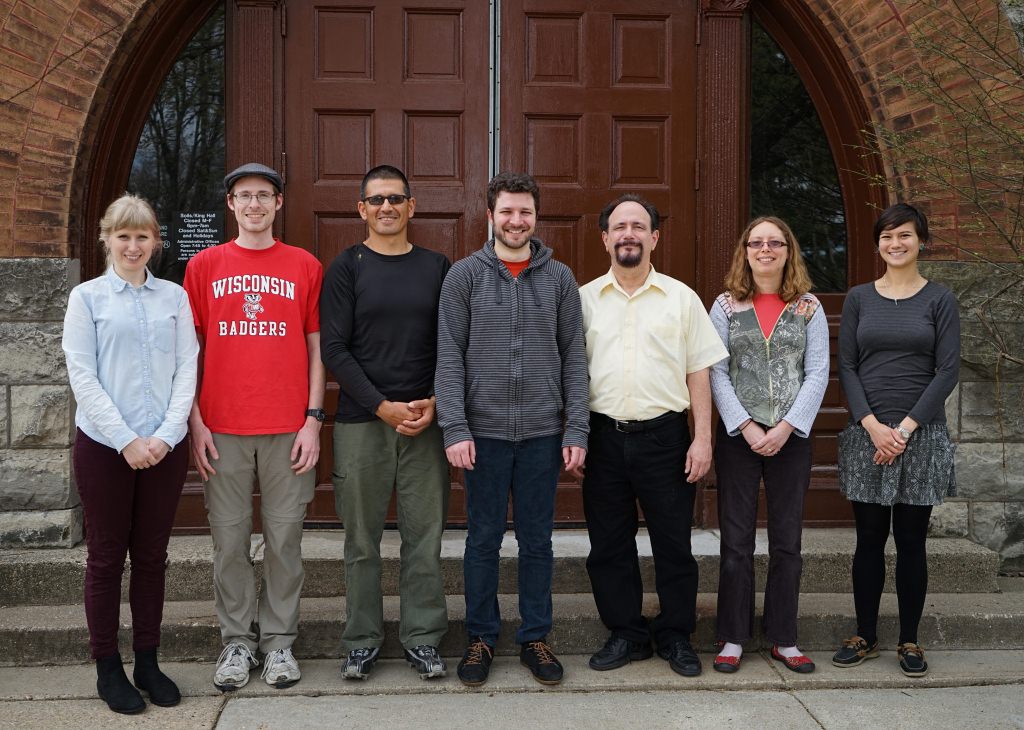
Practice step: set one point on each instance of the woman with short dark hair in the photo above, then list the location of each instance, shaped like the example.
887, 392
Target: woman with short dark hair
899, 359
131, 353
767, 392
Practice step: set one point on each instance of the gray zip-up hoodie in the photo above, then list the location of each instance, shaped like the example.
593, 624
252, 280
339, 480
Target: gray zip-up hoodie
511, 358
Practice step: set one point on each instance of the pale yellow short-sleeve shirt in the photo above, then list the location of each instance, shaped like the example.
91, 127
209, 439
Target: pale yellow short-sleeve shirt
640, 348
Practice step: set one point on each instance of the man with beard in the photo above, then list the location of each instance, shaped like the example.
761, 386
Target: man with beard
650, 345
510, 353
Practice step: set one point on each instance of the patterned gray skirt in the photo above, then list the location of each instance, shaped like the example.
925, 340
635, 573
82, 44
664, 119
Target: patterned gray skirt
923, 474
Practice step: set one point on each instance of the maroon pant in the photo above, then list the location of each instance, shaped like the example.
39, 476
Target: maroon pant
127, 512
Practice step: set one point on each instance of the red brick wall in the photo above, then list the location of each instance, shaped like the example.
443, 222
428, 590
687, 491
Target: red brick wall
55, 56
877, 39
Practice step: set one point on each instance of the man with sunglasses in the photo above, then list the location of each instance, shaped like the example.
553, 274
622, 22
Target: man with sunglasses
255, 302
650, 345
379, 315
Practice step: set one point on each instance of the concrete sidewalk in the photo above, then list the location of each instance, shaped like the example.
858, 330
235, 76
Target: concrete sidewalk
964, 689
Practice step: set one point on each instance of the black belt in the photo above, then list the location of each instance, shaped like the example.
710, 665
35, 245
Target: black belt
640, 426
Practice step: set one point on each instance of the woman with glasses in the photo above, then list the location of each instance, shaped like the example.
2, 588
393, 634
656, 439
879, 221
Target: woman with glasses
899, 358
767, 393
131, 353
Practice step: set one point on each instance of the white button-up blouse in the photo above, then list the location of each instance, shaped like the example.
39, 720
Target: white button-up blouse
131, 355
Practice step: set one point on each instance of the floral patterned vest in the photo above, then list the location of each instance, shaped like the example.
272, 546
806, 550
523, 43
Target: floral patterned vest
767, 373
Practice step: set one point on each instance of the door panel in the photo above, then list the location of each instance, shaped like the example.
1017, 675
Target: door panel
597, 100
384, 83
595, 103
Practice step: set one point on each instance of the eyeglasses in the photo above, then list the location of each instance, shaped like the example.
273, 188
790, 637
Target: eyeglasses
264, 197
395, 199
772, 243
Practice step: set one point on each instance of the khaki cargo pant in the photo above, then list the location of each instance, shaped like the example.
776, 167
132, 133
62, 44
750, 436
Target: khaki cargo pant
272, 622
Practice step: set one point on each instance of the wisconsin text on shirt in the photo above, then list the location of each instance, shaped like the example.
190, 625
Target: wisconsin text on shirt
253, 284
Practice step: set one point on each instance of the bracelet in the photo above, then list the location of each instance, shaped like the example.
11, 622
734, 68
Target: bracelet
744, 426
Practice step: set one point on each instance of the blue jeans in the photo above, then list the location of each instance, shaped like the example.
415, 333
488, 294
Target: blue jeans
528, 471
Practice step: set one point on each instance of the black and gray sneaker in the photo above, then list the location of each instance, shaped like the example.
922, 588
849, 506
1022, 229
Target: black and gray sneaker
359, 663
426, 661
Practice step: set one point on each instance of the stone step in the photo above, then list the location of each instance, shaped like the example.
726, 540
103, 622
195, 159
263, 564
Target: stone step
54, 577
31, 635
32, 687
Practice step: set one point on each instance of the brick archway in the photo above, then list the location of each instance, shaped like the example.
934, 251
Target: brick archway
145, 56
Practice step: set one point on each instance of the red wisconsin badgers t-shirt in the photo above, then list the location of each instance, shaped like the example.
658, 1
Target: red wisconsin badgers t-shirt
253, 310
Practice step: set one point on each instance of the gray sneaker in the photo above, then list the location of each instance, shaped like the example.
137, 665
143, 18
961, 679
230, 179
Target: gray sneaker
426, 661
280, 669
359, 663
233, 667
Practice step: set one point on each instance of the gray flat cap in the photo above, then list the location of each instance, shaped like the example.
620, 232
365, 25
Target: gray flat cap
253, 169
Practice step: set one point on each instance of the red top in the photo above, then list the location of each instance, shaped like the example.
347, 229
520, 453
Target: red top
768, 308
253, 310
515, 267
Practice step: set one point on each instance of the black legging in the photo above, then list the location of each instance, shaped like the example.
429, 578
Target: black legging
909, 529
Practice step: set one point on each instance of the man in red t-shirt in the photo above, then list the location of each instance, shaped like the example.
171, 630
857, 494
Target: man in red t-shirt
257, 415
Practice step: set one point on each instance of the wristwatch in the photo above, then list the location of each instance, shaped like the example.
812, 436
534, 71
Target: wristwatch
903, 432
317, 413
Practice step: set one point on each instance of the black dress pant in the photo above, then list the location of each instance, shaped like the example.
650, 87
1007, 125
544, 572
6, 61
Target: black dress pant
646, 467
786, 476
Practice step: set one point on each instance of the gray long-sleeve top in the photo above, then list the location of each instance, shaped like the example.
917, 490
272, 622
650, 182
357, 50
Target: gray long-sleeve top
511, 359
899, 357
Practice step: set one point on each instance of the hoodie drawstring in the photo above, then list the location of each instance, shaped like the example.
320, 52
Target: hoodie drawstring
497, 283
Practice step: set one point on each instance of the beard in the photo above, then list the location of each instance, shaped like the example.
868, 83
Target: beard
499, 236
629, 259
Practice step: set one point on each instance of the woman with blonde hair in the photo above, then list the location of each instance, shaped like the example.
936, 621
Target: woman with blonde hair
131, 354
767, 393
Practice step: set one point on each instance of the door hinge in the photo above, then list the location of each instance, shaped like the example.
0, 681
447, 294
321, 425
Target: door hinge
696, 174
700, 15
284, 167
284, 19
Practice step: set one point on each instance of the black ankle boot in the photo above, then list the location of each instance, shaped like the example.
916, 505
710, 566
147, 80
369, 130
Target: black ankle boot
148, 677
115, 689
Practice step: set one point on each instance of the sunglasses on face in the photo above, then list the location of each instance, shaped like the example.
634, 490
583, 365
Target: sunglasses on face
395, 199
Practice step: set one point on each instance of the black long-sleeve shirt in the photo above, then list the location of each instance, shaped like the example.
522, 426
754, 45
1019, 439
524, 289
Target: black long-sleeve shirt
378, 327
899, 357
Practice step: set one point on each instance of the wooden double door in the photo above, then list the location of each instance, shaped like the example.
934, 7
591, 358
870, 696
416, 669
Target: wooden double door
594, 98
591, 102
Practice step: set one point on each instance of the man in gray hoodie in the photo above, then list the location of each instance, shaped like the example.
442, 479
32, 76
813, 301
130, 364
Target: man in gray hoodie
513, 403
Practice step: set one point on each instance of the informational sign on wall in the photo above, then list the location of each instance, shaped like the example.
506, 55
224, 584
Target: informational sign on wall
187, 234
196, 231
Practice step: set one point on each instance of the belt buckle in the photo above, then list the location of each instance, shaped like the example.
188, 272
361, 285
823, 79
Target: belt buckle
621, 426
